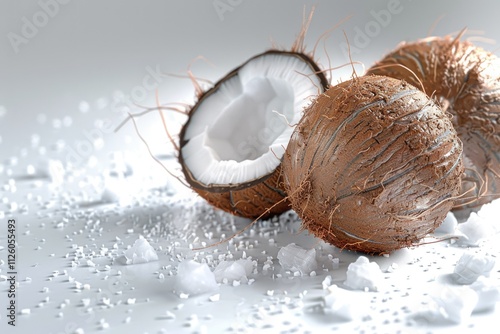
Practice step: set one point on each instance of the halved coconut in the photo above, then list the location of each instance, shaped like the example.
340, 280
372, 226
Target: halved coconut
233, 143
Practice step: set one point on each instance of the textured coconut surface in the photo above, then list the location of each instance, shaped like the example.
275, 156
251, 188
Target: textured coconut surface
372, 165
105, 238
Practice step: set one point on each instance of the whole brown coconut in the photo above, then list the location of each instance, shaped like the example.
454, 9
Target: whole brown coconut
373, 165
466, 80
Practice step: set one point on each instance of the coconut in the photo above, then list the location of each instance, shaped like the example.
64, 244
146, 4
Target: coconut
233, 142
373, 166
465, 79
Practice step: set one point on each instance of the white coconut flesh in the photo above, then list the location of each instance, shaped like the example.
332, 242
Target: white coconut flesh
239, 132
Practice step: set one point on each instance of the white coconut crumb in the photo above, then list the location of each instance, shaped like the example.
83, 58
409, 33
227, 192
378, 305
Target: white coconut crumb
488, 294
297, 259
214, 298
183, 295
449, 224
26, 311
470, 266
131, 301
363, 274
234, 271
140, 252
194, 278
475, 230
169, 315
449, 303
349, 305
103, 324
393, 267
79, 331
327, 282
335, 263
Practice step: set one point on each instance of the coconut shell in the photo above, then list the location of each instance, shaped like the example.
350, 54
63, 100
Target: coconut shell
373, 165
257, 198
465, 79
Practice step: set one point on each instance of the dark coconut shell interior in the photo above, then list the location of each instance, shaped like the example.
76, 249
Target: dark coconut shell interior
373, 165
466, 79
257, 198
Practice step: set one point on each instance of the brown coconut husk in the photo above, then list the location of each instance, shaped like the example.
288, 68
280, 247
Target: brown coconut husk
373, 166
466, 80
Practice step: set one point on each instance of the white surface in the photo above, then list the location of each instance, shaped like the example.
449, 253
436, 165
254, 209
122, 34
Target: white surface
69, 276
82, 194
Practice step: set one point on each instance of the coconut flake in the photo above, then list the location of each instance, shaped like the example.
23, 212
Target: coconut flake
363, 274
488, 294
475, 230
297, 259
140, 252
233, 270
454, 304
194, 278
470, 266
346, 304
